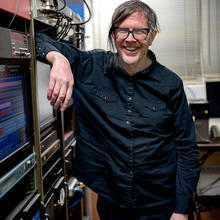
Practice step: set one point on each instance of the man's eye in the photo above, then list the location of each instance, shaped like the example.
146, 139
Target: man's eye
139, 31
123, 31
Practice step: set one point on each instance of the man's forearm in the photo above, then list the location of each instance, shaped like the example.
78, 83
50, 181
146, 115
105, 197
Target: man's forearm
54, 56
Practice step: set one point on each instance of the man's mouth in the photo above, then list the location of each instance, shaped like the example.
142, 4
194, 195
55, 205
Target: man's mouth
131, 49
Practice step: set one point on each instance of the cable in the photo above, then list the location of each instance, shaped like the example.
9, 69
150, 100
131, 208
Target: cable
90, 15
67, 24
209, 186
53, 12
77, 189
55, 3
64, 1
16, 11
67, 28
61, 16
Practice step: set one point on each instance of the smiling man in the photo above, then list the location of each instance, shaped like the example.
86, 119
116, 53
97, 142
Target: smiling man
135, 134
132, 38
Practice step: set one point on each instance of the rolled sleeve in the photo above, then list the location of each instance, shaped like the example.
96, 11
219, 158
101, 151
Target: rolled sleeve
43, 45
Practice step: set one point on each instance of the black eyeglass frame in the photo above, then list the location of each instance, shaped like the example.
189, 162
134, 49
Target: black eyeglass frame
132, 31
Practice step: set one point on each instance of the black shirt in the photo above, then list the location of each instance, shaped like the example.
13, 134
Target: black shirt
135, 134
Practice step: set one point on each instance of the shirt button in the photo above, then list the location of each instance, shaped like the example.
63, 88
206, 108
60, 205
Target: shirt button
127, 122
131, 172
129, 110
129, 98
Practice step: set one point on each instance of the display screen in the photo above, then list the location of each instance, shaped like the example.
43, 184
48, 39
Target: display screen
13, 116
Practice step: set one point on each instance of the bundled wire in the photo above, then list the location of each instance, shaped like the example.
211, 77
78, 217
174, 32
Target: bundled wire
65, 23
78, 191
65, 27
52, 13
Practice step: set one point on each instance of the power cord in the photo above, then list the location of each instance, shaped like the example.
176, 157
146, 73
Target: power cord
16, 11
64, 2
78, 191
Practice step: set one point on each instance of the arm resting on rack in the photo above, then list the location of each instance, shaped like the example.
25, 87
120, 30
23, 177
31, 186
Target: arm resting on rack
61, 80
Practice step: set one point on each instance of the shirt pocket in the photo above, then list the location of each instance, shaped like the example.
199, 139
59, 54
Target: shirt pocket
105, 94
157, 114
154, 108
108, 104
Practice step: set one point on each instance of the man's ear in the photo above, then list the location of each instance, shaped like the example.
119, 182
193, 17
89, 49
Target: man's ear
151, 37
113, 35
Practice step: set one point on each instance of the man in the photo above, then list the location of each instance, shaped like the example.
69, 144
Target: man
135, 135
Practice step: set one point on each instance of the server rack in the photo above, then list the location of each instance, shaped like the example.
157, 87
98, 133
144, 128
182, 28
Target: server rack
39, 184
18, 197
36, 181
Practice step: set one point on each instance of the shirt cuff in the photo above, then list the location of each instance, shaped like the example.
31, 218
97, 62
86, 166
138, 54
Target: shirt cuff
184, 205
43, 49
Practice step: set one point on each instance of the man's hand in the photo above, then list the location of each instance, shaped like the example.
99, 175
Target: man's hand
61, 81
176, 216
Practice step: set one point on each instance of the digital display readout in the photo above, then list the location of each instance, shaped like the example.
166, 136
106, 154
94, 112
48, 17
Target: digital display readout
13, 116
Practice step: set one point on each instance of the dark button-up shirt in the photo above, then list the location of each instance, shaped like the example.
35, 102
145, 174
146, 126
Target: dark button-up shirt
135, 134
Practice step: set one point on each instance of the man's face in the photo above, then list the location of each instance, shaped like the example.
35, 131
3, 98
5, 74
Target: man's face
132, 51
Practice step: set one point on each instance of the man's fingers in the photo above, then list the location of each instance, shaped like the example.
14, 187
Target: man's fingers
56, 93
61, 83
50, 89
61, 96
67, 98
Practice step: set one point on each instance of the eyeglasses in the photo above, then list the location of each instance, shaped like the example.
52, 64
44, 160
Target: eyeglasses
137, 33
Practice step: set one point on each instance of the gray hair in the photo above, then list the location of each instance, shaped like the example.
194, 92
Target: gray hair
127, 8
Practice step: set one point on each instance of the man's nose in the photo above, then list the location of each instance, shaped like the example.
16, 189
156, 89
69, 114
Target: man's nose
130, 36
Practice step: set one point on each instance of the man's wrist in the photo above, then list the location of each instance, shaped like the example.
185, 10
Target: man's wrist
179, 216
53, 56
